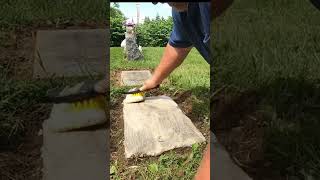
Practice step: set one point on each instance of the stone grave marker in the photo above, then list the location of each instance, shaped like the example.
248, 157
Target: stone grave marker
157, 125
71, 52
134, 78
132, 51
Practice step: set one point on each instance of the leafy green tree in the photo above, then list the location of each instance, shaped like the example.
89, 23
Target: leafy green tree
152, 33
157, 17
116, 5
117, 29
147, 19
155, 32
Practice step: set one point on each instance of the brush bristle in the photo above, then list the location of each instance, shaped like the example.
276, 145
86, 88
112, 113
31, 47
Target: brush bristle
138, 94
93, 103
135, 97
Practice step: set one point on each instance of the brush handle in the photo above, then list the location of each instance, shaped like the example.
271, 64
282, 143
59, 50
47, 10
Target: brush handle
137, 90
86, 91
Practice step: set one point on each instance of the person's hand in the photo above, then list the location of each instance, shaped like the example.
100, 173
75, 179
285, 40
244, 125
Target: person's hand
148, 84
101, 86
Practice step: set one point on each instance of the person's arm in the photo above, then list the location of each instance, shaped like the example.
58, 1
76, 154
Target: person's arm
171, 59
219, 6
178, 47
203, 172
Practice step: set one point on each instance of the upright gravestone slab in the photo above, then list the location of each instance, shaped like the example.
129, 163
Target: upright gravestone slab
132, 49
157, 125
134, 78
71, 52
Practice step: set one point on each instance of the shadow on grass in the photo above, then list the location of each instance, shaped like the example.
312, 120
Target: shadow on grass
293, 138
289, 113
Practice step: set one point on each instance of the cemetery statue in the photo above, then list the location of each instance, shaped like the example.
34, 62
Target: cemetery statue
131, 49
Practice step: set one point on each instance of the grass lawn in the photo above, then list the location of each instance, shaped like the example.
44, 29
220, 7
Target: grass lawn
272, 47
192, 76
18, 13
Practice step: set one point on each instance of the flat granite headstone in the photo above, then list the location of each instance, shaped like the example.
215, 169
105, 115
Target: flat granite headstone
134, 78
80, 155
157, 125
71, 52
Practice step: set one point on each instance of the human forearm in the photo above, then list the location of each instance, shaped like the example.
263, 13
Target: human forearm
171, 59
203, 172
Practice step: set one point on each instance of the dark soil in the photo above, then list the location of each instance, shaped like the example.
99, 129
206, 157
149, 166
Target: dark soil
239, 126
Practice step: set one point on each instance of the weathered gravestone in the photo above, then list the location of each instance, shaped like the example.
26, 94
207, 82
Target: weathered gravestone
80, 155
134, 78
157, 125
132, 51
71, 52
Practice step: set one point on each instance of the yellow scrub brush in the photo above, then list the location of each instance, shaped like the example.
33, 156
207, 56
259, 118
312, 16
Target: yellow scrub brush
97, 102
76, 107
135, 95
80, 92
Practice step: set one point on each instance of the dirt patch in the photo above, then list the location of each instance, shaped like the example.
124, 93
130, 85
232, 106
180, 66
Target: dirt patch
24, 161
115, 77
16, 54
239, 126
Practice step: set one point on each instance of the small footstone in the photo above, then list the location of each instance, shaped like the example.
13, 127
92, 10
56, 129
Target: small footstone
134, 78
157, 125
70, 53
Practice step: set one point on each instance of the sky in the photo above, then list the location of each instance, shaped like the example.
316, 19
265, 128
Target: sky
146, 9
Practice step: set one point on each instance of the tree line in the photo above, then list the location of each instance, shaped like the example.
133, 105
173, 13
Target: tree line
152, 33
